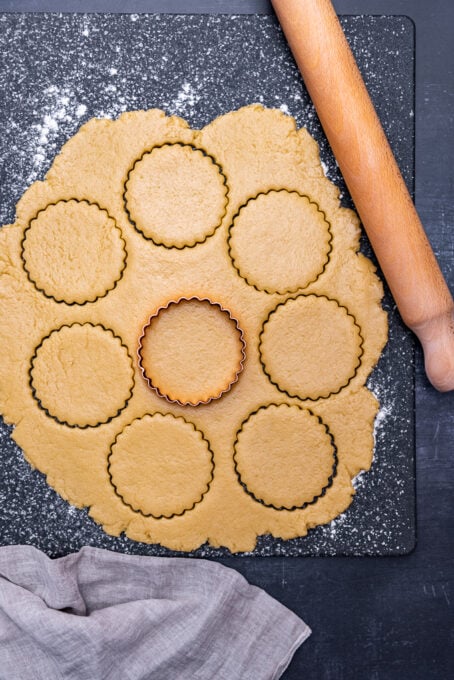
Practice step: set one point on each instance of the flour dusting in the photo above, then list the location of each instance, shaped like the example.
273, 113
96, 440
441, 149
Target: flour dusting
186, 98
60, 108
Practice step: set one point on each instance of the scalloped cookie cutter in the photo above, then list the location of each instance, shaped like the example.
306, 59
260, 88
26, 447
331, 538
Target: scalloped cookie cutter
198, 401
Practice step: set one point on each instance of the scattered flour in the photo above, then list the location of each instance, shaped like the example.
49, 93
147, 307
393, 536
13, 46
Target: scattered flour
332, 527
60, 117
45, 134
382, 415
359, 479
186, 98
81, 110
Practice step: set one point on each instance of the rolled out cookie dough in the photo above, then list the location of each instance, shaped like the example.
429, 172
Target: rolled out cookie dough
242, 415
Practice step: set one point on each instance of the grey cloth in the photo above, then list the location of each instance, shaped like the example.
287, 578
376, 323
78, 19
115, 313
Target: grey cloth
98, 614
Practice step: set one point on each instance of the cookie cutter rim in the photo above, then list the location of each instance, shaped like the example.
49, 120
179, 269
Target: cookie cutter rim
240, 366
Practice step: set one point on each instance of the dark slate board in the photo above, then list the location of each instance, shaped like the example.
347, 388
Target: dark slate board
59, 70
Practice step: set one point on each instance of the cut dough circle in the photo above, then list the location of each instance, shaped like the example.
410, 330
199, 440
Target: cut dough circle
176, 195
279, 241
310, 347
285, 456
161, 465
73, 251
82, 375
192, 351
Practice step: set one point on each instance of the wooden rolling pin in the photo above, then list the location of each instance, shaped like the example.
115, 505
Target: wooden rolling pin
373, 178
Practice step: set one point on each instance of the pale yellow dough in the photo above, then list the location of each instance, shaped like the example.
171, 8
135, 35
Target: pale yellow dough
135, 214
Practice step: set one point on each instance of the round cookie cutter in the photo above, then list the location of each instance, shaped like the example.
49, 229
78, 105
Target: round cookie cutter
240, 365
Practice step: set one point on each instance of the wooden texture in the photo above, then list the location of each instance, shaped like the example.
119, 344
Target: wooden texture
373, 179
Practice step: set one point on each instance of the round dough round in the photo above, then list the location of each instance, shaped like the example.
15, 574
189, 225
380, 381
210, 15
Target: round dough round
176, 195
285, 456
73, 252
279, 242
161, 465
310, 347
192, 351
82, 375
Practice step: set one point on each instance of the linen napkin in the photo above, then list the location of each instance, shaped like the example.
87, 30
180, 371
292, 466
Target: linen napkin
97, 614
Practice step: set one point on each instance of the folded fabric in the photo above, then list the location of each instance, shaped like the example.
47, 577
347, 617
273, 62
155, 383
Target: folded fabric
98, 614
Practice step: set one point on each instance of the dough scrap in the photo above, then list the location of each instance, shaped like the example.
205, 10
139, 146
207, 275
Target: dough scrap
71, 380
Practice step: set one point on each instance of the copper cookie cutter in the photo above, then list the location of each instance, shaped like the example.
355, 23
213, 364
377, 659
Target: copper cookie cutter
240, 365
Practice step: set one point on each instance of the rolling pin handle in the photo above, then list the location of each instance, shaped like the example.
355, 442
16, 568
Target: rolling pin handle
437, 339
